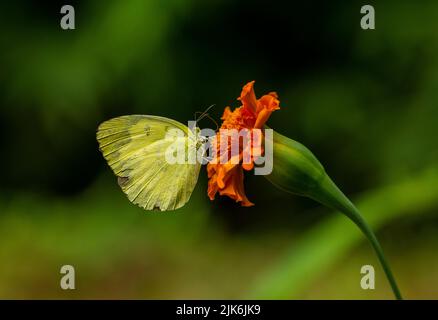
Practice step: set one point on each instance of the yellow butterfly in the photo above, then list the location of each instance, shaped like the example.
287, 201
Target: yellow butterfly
135, 148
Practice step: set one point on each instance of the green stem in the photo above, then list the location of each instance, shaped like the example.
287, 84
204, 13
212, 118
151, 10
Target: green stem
329, 194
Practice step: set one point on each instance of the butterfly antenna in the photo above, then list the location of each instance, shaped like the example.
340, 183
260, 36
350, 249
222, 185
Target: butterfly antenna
205, 112
196, 113
205, 115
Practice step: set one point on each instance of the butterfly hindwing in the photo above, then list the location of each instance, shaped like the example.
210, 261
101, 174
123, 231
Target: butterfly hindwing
134, 147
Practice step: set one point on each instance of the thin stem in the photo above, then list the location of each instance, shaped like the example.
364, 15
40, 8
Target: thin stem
356, 217
333, 197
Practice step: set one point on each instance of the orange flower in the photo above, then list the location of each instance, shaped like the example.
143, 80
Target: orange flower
227, 178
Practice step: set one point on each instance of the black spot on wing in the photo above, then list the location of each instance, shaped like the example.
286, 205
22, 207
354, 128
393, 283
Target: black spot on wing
122, 181
133, 120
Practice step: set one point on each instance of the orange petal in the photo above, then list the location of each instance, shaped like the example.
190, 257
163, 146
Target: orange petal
262, 117
266, 105
268, 101
227, 113
224, 173
211, 169
248, 166
235, 189
212, 188
248, 98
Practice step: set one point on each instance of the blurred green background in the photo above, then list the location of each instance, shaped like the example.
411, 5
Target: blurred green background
365, 102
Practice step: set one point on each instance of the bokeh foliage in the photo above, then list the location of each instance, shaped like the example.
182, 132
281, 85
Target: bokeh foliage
365, 102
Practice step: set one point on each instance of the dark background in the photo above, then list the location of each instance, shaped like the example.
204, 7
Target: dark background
365, 102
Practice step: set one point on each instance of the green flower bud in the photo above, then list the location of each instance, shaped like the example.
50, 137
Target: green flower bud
298, 171
295, 168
